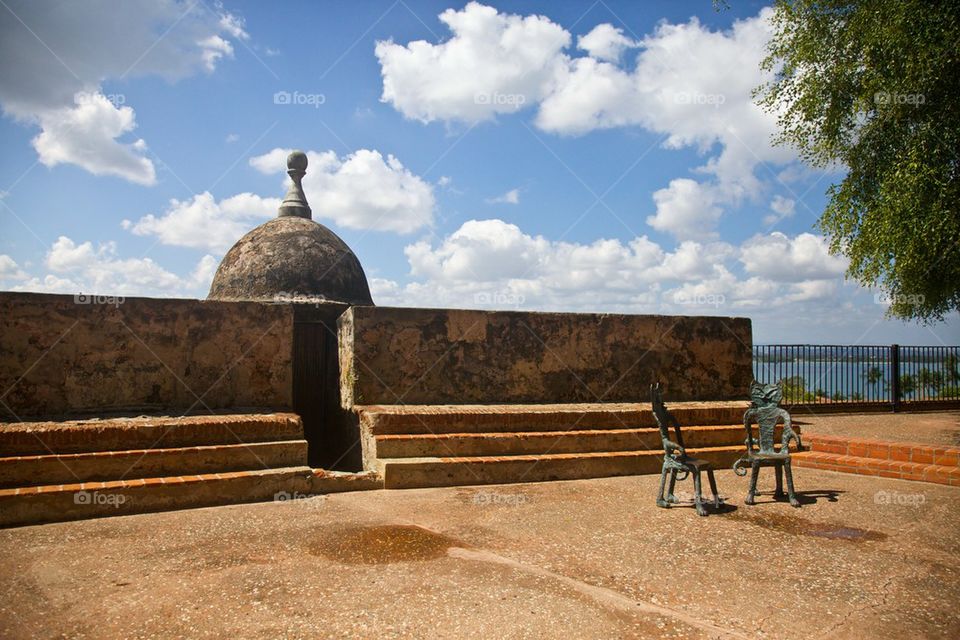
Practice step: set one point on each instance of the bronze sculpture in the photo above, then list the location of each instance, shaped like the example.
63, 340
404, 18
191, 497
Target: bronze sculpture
675, 458
765, 410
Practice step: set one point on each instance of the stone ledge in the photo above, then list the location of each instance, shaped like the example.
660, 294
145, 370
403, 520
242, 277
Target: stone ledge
119, 434
60, 502
396, 419
409, 473
19, 471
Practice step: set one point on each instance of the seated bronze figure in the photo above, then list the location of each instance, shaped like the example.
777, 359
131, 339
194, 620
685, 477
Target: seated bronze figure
766, 412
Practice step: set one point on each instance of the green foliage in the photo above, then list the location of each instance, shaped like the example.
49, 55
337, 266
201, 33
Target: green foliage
873, 375
950, 392
951, 370
875, 86
795, 390
908, 385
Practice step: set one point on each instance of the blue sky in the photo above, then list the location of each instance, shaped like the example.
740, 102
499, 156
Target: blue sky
596, 156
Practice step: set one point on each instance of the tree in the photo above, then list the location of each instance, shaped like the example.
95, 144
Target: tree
908, 385
873, 85
929, 381
950, 369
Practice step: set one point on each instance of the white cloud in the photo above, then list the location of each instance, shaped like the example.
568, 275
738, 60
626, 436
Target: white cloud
86, 135
494, 63
203, 223
510, 197
605, 42
10, 270
57, 51
491, 263
232, 137
805, 257
687, 209
692, 85
689, 83
782, 208
363, 190
83, 268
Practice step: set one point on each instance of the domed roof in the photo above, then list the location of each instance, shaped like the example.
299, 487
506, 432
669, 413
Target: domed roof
291, 257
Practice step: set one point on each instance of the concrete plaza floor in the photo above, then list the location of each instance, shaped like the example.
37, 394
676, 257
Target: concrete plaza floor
863, 558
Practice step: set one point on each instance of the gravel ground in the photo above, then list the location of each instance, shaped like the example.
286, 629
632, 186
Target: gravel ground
863, 558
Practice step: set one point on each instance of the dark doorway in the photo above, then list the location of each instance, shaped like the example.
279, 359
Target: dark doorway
329, 430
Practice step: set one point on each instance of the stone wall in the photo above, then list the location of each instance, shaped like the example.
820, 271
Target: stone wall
443, 356
60, 357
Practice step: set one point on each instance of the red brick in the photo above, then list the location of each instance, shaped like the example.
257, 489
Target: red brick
900, 452
879, 451
857, 449
922, 454
945, 457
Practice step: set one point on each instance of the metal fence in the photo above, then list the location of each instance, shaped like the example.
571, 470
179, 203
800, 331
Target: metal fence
812, 374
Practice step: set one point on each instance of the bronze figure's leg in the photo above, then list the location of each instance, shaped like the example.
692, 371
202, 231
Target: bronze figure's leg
698, 494
663, 481
778, 494
673, 481
752, 492
793, 498
713, 488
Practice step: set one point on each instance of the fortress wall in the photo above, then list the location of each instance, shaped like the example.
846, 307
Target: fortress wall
445, 356
61, 356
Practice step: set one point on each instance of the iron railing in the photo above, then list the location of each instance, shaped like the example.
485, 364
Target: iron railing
813, 374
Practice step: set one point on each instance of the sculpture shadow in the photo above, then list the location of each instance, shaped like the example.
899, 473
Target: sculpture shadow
725, 507
803, 497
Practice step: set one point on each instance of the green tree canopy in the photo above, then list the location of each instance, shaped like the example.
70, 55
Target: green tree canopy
874, 85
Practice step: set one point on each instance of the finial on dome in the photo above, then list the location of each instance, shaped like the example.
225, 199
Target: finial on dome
295, 202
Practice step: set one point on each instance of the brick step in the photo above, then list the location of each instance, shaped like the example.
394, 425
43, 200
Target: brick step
408, 473
126, 434
427, 419
868, 466
885, 450
24, 471
539, 442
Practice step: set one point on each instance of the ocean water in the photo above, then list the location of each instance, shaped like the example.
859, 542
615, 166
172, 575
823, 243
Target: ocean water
848, 378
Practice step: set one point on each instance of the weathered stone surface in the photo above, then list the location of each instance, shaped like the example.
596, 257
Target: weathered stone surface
142, 432
445, 356
59, 357
291, 258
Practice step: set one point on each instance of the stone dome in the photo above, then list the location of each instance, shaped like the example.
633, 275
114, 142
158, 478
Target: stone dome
291, 257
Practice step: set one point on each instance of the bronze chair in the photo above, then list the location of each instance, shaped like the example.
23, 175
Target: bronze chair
675, 459
766, 412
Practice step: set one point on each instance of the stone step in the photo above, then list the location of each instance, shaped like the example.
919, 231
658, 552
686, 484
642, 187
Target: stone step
145, 432
24, 471
54, 503
409, 473
870, 466
885, 450
538, 442
57, 503
427, 419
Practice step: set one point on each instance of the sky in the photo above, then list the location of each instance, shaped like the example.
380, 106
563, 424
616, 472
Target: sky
545, 156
